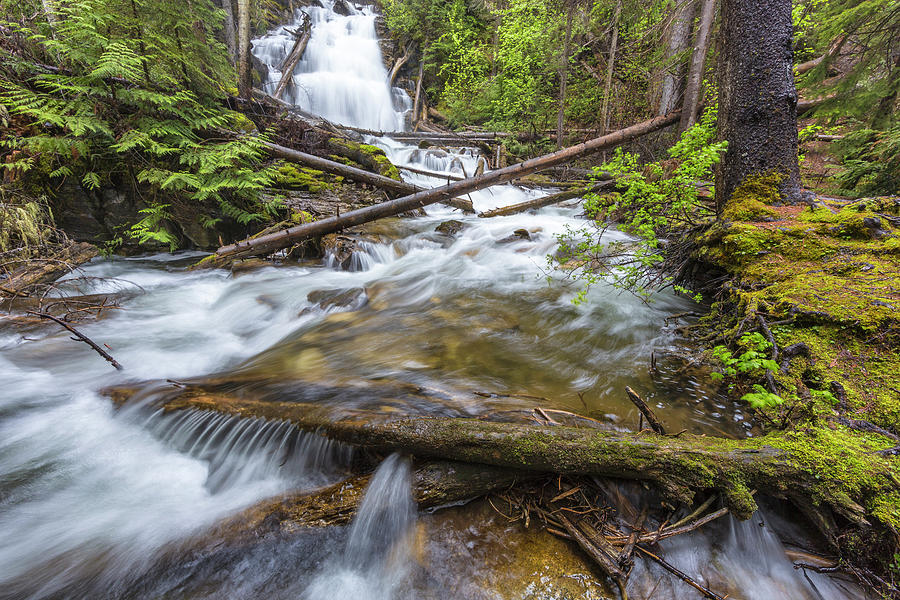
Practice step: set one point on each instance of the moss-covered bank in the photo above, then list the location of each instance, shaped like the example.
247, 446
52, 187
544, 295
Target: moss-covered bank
821, 280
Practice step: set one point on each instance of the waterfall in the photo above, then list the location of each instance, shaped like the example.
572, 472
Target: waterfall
341, 76
377, 558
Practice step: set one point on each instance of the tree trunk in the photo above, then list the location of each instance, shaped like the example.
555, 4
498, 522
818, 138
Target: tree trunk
610, 66
267, 244
419, 84
564, 75
290, 62
678, 40
692, 93
757, 98
245, 83
229, 30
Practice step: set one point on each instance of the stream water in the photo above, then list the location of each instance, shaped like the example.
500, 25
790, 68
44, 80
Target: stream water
94, 502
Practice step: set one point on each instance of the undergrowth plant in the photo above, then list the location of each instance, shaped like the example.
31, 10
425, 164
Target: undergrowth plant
751, 363
139, 96
652, 201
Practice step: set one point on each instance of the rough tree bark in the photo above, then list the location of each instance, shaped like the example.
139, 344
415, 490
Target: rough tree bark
244, 81
757, 98
692, 95
229, 30
677, 42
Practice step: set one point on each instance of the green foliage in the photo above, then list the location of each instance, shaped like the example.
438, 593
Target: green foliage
870, 161
653, 200
761, 399
151, 226
865, 32
752, 361
142, 88
24, 225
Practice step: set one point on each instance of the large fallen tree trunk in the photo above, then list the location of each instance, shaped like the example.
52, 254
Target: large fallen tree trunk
290, 63
276, 241
677, 465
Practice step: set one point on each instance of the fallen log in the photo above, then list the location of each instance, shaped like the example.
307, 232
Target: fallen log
270, 243
678, 466
543, 201
392, 186
432, 136
407, 53
290, 62
435, 174
47, 269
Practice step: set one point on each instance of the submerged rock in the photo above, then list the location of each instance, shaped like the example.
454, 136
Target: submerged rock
451, 227
351, 299
517, 236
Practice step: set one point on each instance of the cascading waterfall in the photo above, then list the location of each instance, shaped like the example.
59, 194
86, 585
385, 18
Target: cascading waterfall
341, 76
376, 560
240, 450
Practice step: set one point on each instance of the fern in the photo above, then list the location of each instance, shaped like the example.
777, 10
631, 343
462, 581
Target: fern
141, 88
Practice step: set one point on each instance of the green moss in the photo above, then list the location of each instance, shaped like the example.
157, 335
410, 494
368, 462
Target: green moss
847, 223
749, 201
367, 156
301, 178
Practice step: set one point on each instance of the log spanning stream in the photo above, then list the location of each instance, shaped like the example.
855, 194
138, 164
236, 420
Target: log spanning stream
104, 503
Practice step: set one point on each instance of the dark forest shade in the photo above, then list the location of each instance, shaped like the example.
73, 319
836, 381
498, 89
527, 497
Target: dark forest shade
757, 96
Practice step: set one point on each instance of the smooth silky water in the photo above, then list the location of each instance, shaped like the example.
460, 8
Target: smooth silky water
95, 503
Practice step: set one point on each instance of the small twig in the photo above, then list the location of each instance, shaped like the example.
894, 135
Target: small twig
546, 416
81, 337
645, 410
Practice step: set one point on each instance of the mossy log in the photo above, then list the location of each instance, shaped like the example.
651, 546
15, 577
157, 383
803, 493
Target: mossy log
393, 187
782, 465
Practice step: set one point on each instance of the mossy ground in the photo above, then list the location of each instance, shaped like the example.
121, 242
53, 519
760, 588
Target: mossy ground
826, 275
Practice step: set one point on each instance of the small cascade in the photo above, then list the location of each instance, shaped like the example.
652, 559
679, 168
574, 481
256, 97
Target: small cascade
376, 561
341, 76
240, 450
737, 559
363, 256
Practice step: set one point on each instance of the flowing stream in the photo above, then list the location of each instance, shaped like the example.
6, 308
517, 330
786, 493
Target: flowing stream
94, 502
